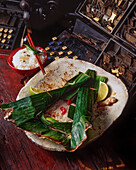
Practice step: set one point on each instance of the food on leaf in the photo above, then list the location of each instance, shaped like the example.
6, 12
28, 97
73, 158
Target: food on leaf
46, 126
29, 113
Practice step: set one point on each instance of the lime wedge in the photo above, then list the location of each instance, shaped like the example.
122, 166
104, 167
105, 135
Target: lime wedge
33, 90
103, 91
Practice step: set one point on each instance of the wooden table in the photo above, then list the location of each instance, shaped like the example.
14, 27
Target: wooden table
114, 150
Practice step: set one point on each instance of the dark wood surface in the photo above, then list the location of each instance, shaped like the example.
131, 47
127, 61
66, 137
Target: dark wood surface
116, 149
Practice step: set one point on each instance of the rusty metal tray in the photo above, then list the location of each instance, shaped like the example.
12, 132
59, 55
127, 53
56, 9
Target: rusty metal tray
105, 15
84, 43
120, 61
11, 25
127, 30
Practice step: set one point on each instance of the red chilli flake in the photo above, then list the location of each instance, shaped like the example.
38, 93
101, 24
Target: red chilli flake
63, 110
69, 102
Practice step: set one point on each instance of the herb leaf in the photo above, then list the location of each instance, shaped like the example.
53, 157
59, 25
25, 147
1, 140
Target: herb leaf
32, 49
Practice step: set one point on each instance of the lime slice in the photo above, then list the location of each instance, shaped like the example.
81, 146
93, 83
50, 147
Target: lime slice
103, 91
33, 90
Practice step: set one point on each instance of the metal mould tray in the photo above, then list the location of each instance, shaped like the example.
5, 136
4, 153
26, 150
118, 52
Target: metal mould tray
119, 61
127, 30
13, 5
107, 15
67, 45
11, 28
90, 36
83, 43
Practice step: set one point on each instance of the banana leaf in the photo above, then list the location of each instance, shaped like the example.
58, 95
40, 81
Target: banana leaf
34, 126
71, 111
64, 127
89, 82
44, 131
58, 137
78, 132
26, 108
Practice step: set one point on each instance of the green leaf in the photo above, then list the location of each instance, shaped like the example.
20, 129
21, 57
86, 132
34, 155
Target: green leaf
43, 130
26, 108
64, 127
88, 83
35, 126
32, 49
78, 126
71, 111
58, 137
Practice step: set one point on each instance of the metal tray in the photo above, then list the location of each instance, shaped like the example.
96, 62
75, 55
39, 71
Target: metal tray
11, 25
119, 61
84, 43
107, 19
127, 25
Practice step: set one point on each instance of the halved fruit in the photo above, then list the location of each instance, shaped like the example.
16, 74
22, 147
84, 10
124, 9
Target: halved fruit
103, 91
33, 90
